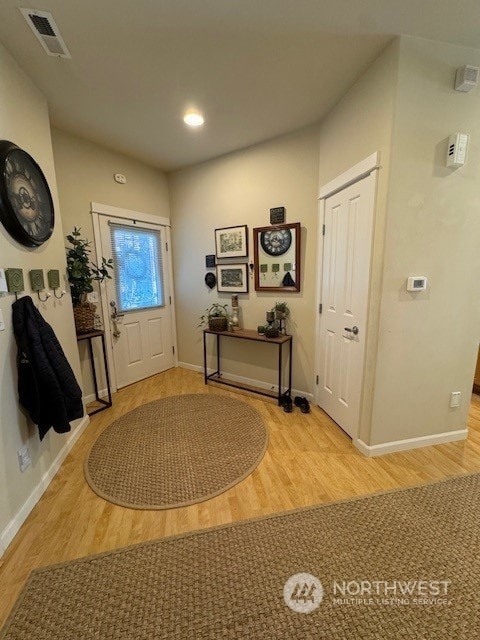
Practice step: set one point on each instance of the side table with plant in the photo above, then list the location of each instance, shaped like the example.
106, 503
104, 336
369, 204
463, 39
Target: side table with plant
81, 275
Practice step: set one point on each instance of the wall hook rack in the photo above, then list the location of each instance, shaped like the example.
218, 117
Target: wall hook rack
47, 296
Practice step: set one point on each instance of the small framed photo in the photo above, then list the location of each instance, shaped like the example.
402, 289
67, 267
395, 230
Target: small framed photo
232, 242
210, 261
232, 278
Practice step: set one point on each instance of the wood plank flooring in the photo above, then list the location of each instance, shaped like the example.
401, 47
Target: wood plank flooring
309, 461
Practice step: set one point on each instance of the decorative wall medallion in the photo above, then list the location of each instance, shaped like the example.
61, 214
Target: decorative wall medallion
37, 281
53, 279
14, 280
210, 280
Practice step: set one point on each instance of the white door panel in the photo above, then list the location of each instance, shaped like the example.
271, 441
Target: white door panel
155, 337
142, 340
348, 219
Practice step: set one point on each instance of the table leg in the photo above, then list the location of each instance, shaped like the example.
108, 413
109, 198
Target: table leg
280, 361
290, 368
95, 382
107, 375
205, 357
218, 354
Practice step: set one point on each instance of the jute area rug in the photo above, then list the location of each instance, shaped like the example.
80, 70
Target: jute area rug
176, 451
229, 582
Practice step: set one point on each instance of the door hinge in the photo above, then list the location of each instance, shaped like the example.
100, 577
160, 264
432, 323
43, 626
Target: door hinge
323, 230
320, 308
173, 349
166, 244
317, 380
170, 299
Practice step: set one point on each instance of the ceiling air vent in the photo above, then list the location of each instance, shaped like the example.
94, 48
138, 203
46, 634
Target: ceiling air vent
46, 31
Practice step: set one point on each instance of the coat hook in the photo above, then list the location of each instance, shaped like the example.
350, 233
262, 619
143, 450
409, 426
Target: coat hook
61, 294
47, 296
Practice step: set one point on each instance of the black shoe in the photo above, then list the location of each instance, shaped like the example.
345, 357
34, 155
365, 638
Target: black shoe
286, 403
302, 403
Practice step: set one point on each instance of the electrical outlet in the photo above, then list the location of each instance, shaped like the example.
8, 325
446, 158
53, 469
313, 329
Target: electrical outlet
24, 460
92, 297
455, 399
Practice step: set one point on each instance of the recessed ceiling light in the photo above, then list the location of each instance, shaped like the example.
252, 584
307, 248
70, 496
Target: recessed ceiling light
193, 119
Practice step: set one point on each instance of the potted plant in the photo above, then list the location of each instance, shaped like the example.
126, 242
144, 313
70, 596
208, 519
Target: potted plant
215, 317
81, 274
281, 310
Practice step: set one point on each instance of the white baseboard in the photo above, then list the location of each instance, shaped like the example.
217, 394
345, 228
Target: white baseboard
411, 443
103, 393
16, 522
249, 381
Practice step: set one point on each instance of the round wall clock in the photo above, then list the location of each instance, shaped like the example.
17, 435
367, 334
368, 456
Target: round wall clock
26, 206
276, 242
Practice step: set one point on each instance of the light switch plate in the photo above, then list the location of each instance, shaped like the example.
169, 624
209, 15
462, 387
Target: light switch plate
3, 282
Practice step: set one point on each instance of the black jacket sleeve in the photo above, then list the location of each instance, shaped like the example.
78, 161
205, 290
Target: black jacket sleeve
47, 386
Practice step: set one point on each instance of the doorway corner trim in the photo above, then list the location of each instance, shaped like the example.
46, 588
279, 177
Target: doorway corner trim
348, 177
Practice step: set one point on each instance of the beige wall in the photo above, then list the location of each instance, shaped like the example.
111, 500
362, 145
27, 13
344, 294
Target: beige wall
359, 125
85, 173
428, 341
24, 120
240, 189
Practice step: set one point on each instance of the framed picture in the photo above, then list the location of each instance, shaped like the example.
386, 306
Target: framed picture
232, 278
232, 242
210, 261
277, 257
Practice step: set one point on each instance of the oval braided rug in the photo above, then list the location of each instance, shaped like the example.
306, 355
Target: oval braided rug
176, 451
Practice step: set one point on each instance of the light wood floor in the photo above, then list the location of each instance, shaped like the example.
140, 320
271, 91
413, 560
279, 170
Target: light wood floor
309, 461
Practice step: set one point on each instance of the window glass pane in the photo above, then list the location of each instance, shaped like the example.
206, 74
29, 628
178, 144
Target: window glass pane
138, 268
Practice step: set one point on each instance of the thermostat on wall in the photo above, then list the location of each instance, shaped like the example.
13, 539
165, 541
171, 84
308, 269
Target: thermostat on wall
457, 149
417, 283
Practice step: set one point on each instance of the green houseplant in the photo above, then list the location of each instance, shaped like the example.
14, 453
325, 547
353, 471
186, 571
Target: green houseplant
215, 317
81, 274
281, 310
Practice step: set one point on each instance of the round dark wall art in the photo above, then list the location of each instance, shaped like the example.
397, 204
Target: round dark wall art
26, 205
210, 280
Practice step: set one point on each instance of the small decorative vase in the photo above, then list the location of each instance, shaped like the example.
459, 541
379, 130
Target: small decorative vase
235, 326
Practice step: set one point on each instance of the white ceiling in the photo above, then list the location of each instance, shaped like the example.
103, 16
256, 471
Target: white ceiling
254, 68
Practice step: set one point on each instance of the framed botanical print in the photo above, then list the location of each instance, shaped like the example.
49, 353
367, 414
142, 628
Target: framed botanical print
232, 278
232, 242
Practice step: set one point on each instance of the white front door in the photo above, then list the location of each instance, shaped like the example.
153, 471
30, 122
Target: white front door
347, 243
138, 298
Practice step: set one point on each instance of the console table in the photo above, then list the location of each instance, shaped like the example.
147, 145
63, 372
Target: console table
249, 334
90, 336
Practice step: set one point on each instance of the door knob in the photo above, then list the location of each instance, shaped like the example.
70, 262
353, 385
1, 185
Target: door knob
353, 330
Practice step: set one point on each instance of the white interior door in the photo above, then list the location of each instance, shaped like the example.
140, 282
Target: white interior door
347, 244
138, 295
